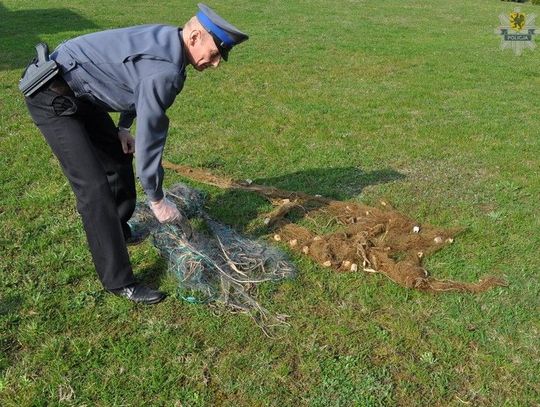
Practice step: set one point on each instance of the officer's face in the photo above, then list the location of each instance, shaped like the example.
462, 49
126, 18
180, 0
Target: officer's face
203, 52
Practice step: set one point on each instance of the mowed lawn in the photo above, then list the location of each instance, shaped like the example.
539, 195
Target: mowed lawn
409, 101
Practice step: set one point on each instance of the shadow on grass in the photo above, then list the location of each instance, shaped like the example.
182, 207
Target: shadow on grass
21, 30
10, 304
336, 183
238, 208
152, 274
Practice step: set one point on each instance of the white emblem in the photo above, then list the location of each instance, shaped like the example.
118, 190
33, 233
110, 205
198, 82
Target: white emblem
517, 31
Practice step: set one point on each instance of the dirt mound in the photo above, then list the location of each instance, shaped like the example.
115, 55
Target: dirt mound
375, 240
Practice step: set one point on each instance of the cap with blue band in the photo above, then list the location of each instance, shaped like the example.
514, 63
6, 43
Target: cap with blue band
214, 29
225, 35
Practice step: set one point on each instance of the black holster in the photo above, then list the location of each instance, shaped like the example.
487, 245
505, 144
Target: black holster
38, 72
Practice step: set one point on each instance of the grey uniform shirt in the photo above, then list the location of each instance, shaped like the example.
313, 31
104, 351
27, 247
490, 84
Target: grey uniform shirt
137, 71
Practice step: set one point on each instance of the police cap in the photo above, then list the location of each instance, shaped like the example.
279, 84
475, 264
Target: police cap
225, 34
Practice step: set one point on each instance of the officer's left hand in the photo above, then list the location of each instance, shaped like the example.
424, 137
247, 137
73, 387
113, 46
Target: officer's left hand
127, 140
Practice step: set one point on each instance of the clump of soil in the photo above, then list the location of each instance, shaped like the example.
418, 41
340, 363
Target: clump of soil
375, 240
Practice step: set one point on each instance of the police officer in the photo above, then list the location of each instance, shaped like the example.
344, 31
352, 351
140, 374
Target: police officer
137, 71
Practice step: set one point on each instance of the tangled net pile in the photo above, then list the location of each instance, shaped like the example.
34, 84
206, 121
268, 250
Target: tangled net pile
221, 266
376, 240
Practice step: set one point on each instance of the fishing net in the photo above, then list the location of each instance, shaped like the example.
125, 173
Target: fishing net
218, 265
375, 240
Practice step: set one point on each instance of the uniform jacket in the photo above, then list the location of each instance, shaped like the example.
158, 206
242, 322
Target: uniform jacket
137, 71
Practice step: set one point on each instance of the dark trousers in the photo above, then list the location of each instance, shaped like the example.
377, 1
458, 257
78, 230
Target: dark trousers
85, 140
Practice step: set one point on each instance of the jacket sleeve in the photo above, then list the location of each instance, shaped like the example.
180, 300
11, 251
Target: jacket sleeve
153, 95
126, 119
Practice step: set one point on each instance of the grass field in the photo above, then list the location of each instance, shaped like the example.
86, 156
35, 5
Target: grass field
411, 101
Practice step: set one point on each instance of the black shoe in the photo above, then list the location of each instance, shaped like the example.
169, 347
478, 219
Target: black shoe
137, 235
139, 293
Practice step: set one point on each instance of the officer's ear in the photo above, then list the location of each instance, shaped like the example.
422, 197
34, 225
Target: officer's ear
195, 36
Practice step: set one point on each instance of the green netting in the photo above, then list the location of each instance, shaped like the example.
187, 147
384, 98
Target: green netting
219, 266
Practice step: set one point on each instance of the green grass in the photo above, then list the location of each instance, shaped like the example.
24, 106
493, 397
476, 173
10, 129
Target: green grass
410, 101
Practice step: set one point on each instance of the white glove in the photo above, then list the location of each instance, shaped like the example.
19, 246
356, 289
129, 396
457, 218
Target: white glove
165, 211
127, 140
